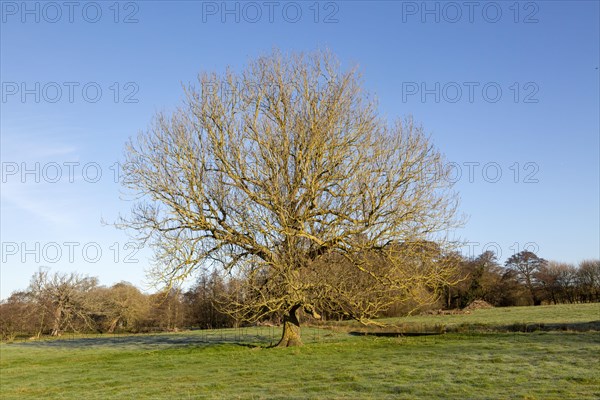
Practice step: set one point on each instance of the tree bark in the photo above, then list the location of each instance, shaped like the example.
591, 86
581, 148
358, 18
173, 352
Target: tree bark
291, 329
113, 325
57, 321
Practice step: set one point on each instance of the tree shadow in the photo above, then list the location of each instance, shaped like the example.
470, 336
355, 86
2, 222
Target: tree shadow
424, 330
551, 327
143, 341
392, 333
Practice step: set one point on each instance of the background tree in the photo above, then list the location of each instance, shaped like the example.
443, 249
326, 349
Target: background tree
478, 278
17, 316
166, 310
527, 265
558, 282
588, 278
290, 166
61, 300
202, 300
122, 306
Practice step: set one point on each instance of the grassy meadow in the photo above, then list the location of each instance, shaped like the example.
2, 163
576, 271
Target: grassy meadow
563, 317
234, 364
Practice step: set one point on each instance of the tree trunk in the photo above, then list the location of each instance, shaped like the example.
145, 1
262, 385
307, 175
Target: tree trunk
41, 326
57, 321
113, 325
537, 301
291, 329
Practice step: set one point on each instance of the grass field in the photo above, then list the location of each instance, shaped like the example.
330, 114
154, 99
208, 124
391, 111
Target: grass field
505, 319
332, 365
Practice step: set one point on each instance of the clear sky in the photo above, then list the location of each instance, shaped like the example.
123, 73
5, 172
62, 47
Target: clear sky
508, 90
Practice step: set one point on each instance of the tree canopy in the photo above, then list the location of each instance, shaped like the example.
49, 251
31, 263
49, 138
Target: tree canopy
285, 174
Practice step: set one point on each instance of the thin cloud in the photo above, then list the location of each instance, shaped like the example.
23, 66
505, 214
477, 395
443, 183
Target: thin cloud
30, 200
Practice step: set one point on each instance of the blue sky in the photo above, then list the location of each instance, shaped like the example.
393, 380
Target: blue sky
504, 88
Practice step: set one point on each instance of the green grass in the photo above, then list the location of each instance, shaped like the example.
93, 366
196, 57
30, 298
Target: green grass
556, 317
562, 313
215, 365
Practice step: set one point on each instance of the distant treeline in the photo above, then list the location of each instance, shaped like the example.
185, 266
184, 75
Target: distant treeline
57, 303
525, 279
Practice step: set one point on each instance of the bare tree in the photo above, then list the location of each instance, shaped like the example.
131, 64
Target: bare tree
17, 316
62, 299
203, 298
167, 310
121, 306
287, 169
588, 277
558, 281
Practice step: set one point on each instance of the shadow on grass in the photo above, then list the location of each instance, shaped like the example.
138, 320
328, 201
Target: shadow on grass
392, 334
429, 330
259, 339
147, 341
543, 327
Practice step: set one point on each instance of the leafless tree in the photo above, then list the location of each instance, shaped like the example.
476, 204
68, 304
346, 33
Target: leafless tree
558, 281
167, 310
120, 306
17, 316
289, 169
61, 300
202, 301
588, 277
